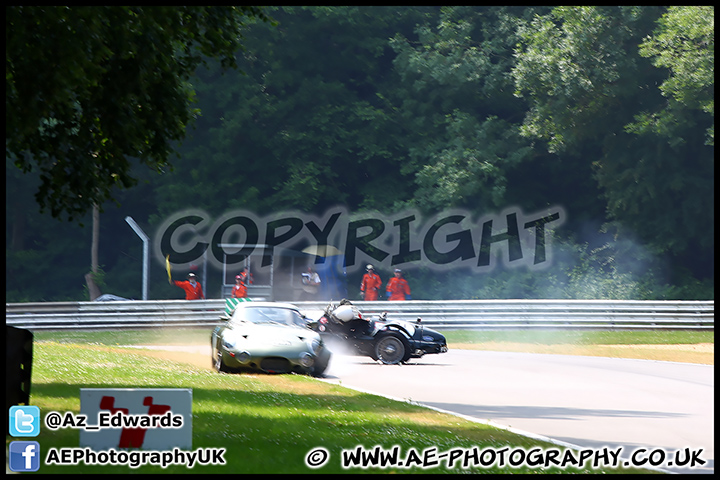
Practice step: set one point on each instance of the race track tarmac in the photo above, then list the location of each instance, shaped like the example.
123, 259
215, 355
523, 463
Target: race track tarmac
591, 402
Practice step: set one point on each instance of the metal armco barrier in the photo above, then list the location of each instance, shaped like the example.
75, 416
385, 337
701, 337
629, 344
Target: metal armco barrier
441, 314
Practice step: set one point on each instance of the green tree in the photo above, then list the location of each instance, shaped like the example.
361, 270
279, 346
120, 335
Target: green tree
89, 89
459, 106
382, 108
684, 44
308, 126
581, 70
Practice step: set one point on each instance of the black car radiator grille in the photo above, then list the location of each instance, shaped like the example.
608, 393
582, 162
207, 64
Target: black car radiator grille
276, 365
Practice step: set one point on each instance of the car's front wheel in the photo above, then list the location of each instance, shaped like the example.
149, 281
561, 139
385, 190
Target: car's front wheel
391, 349
320, 367
219, 364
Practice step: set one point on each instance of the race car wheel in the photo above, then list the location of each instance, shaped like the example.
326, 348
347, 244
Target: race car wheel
391, 349
319, 368
219, 364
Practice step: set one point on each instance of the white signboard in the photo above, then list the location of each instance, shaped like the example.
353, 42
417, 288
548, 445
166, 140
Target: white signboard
145, 418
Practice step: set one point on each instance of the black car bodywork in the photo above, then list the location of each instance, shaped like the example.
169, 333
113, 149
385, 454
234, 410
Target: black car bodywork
389, 341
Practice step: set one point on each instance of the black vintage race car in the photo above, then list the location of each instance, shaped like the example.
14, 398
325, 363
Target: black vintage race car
389, 341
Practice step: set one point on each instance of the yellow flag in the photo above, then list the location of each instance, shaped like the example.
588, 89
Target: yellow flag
167, 267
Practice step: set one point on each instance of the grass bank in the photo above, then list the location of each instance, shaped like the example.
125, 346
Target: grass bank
691, 346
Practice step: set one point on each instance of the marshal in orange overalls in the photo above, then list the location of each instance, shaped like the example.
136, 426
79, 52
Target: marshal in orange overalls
398, 288
370, 284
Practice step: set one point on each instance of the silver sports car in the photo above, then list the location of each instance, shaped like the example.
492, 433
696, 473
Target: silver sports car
268, 337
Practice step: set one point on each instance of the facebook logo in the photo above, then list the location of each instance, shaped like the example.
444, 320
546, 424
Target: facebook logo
24, 456
24, 421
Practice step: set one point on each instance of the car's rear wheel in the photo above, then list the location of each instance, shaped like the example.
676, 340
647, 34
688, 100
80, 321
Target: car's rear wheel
391, 349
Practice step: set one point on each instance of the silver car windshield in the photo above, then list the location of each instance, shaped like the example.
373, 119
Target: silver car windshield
282, 316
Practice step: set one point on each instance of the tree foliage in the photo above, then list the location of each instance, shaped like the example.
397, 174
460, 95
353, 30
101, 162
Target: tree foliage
90, 88
308, 126
607, 111
462, 149
582, 71
683, 43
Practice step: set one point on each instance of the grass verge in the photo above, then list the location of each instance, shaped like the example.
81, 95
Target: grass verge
690, 346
